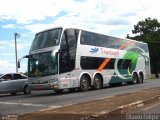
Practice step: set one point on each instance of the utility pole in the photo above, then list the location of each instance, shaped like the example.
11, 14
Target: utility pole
16, 35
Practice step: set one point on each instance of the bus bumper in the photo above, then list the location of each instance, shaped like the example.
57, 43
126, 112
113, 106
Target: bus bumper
46, 86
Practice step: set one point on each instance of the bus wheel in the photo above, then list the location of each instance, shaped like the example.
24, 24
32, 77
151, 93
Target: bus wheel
27, 89
84, 83
97, 82
134, 78
141, 78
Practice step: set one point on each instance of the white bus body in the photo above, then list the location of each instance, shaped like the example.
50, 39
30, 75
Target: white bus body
69, 58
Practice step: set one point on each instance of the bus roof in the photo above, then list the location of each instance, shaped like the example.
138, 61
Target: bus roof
65, 27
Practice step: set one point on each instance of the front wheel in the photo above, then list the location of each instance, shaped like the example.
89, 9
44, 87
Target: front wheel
84, 83
135, 78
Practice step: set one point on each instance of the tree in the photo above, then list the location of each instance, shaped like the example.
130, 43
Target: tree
148, 31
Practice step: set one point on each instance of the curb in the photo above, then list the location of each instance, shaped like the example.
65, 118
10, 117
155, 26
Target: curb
122, 109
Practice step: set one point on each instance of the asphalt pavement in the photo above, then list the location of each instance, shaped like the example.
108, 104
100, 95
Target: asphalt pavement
40, 100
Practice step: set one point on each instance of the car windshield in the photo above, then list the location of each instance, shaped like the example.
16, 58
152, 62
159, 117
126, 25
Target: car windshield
46, 39
42, 64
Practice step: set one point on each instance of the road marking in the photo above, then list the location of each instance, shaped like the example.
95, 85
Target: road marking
50, 108
24, 104
106, 97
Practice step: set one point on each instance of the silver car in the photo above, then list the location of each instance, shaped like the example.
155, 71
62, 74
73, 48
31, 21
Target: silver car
13, 83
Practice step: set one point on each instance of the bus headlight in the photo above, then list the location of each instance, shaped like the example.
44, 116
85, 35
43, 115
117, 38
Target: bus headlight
54, 81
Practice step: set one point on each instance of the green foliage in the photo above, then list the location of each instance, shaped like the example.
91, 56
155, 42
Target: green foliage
148, 31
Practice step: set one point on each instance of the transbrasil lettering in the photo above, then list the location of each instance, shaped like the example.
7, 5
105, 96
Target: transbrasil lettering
109, 52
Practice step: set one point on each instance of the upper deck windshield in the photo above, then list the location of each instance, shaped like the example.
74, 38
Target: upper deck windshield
46, 39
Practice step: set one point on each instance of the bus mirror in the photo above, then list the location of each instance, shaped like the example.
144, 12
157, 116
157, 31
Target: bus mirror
26, 56
54, 56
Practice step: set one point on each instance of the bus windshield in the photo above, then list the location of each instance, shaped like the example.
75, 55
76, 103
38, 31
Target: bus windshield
42, 64
46, 39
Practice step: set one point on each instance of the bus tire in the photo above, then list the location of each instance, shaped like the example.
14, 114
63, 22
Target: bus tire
27, 89
141, 77
135, 78
84, 83
97, 83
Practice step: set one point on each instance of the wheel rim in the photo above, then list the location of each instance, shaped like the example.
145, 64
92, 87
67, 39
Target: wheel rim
97, 83
141, 78
27, 89
84, 83
134, 78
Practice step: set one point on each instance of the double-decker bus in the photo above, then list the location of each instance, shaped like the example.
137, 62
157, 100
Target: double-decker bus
70, 58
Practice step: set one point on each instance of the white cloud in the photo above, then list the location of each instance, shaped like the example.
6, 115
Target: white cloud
8, 26
24, 11
10, 44
112, 17
98, 15
87, 14
6, 66
7, 53
10, 67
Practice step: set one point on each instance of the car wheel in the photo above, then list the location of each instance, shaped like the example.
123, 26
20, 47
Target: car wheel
27, 89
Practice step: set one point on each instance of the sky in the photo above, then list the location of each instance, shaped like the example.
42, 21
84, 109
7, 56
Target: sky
27, 17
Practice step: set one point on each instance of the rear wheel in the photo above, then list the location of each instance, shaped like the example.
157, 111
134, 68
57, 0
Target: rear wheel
84, 83
97, 82
141, 78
